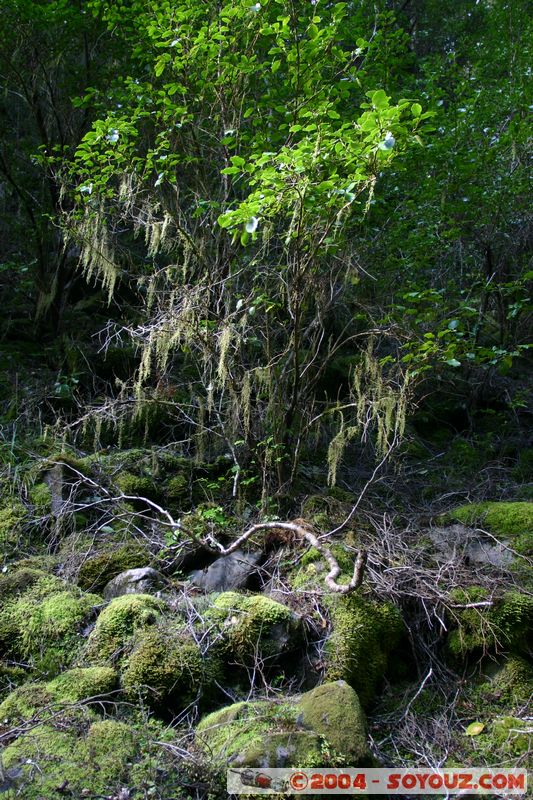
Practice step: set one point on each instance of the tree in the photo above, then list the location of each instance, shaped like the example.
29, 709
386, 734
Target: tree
243, 149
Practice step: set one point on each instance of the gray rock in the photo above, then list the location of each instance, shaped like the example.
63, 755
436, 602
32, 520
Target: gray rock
458, 541
143, 580
228, 572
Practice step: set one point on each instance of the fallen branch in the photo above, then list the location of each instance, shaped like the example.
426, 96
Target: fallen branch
308, 535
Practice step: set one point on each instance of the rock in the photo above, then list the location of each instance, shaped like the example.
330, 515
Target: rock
453, 541
167, 669
117, 624
47, 698
364, 633
254, 626
143, 580
66, 757
96, 572
42, 623
505, 623
228, 572
289, 732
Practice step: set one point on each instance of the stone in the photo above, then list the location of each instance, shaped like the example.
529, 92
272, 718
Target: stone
458, 541
308, 728
227, 573
143, 580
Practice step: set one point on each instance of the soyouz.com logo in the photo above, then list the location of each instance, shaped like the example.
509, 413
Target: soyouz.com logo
378, 781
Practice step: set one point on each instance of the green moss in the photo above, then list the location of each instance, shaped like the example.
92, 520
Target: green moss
177, 487
258, 734
363, 635
167, 669
515, 680
96, 572
41, 498
254, 625
310, 556
11, 676
323, 511
18, 580
94, 760
510, 684
507, 625
118, 622
512, 735
512, 521
70, 687
324, 726
42, 624
12, 517
334, 711
81, 683
136, 485
24, 703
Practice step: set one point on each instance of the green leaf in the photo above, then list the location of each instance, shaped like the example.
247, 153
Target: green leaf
452, 362
416, 109
474, 729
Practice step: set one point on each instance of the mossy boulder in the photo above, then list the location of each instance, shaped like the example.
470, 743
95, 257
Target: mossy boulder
17, 580
43, 623
136, 486
117, 624
89, 756
321, 727
177, 487
70, 687
81, 683
24, 703
510, 683
254, 626
506, 625
95, 573
12, 517
41, 498
11, 676
364, 634
334, 711
166, 669
512, 736
506, 520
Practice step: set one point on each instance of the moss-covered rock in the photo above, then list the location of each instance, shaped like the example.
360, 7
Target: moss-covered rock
505, 625
12, 517
177, 487
18, 580
334, 711
512, 736
25, 702
254, 626
117, 624
11, 676
41, 498
363, 635
509, 684
512, 521
91, 756
81, 683
136, 485
299, 731
95, 573
42, 624
325, 511
167, 669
